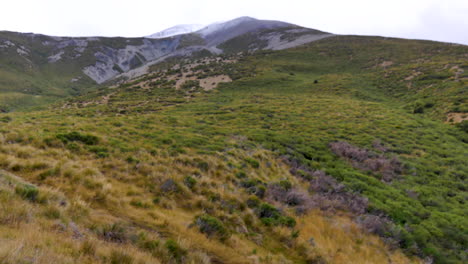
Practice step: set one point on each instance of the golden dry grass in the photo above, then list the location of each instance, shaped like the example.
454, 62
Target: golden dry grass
99, 193
339, 240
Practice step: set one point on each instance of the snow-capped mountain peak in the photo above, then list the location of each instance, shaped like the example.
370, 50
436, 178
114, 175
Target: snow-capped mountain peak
176, 30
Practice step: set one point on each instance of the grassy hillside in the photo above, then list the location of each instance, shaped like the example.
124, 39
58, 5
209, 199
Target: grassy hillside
36, 69
27, 79
334, 152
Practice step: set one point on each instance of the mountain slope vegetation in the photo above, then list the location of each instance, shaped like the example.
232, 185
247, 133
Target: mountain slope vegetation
38, 69
343, 150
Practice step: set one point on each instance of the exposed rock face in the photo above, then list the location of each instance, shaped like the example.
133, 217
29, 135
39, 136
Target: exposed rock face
56, 57
103, 59
60, 44
111, 62
276, 43
214, 35
133, 60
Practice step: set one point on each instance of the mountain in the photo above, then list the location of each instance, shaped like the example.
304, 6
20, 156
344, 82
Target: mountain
345, 149
270, 157
218, 33
75, 65
176, 30
38, 68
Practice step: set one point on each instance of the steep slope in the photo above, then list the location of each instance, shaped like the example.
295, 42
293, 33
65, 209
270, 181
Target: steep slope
313, 154
37, 69
244, 34
44, 67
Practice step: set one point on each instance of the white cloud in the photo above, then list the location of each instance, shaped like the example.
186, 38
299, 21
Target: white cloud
444, 20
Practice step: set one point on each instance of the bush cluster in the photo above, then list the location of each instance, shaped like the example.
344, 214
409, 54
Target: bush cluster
272, 216
212, 227
76, 136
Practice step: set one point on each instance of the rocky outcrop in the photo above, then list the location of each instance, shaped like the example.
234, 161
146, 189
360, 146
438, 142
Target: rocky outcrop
103, 59
111, 62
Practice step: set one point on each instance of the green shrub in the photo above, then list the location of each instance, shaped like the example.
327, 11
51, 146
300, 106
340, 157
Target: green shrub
190, 182
271, 216
266, 210
5, 119
287, 221
175, 250
254, 187
253, 202
101, 152
212, 227
73, 147
76, 136
463, 126
28, 192
131, 160
418, 107
252, 162
249, 183
241, 175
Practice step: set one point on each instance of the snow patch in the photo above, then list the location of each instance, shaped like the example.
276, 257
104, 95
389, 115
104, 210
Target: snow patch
176, 30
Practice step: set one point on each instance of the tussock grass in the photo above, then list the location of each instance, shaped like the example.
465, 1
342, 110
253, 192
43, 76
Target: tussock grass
235, 142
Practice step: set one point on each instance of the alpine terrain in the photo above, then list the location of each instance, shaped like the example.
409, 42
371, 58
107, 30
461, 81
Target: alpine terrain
244, 141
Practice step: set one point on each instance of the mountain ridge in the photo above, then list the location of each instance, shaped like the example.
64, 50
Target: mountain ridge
85, 62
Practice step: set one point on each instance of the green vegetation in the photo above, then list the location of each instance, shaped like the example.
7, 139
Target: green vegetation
27, 192
29, 81
188, 40
76, 136
212, 227
271, 216
371, 128
175, 250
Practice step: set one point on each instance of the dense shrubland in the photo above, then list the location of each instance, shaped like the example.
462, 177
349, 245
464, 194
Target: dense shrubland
279, 167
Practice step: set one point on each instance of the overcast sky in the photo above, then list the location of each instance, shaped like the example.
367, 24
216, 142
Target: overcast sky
443, 20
